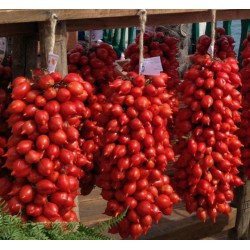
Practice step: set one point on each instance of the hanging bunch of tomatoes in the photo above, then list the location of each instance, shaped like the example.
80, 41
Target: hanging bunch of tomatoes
224, 45
244, 131
4, 130
59, 136
5, 78
155, 44
44, 153
6, 71
95, 65
209, 150
135, 151
166, 47
90, 134
5, 182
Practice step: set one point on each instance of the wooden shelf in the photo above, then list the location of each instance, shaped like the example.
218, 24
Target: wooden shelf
183, 226
16, 22
179, 226
153, 19
21, 16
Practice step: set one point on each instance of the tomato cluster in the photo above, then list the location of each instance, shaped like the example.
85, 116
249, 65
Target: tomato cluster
135, 151
223, 48
5, 182
95, 65
155, 44
209, 151
44, 153
244, 131
59, 136
6, 72
158, 44
4, 130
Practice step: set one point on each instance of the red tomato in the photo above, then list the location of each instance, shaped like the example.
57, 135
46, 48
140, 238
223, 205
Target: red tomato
74, 58
102, 53
96, 63
26, 194
33, 210
15, 205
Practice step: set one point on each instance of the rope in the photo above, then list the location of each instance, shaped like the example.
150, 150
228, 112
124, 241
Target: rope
143, 20
51, 41
213, 12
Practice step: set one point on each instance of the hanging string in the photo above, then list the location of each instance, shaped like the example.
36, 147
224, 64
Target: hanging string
213, 34
51, 41
143, 20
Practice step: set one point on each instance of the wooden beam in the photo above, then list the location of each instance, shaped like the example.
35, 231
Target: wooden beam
44, 35
14, 29
20, 16
155, 19
78, 20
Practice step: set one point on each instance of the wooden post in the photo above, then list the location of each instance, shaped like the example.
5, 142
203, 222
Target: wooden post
24, 50
60, 47
72, 39
242, 202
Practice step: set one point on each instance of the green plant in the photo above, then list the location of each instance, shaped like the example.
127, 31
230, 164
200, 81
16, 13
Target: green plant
13, 228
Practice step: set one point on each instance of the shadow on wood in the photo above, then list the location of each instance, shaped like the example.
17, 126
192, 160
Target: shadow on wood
179, 226
182, 226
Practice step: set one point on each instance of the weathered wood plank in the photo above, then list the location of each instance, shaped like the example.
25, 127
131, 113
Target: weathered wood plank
153, 20
218, 236
91, 207
94, 195
242, 202
78, 20
61, 48
31, 54
91, 211
19, 59
25, 50
19, 16
72, 39
183, 226
180, 225
12, 29
44, 36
